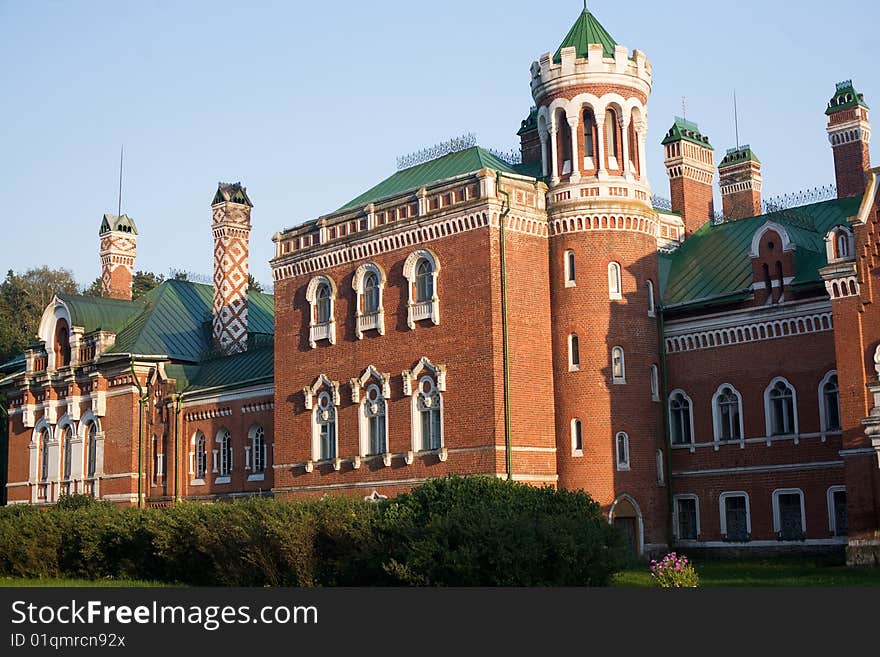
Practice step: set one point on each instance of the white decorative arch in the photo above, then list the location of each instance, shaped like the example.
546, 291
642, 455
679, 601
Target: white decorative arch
56, 310
321, 330
832, 243
366, 321
358, 384
413, 375
382, 381
787, 244
321, 381
418, 310
641, 523
250, 452
672, 394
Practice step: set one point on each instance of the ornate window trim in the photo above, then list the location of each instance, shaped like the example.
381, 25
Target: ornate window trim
768, 409
256, 446
691, 442
323, 398
360, 388
224, 461
198, 472
321, 330
368, 321
428, 309
823, 412
413, 375
840, 244
717, 419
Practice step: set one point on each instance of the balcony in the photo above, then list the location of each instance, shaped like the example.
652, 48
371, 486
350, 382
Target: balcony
370, 322
420, 310
322, 331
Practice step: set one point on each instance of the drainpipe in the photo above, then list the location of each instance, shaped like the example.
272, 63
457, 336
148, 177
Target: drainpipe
505, 345
143, 398
178, 401
667, 433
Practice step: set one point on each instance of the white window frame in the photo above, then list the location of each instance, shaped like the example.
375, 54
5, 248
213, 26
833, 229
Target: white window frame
417, 437
197, 480
655, 383
675, 515
332, 405
257, 475
829, 499
615, 279
823, 414
417, 310
717, 419
690, 418
622, 460
777, 519
226, 459
649, 286
368, 321
570, 266
618, 378
572, 366
722, 508
575, 424
661, 467
319, 331
768, 413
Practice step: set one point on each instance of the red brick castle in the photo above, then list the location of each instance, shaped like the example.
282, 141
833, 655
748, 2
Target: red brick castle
711, 379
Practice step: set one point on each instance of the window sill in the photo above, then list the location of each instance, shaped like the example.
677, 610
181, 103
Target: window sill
570, 284
223, 480
615, 296
197, 482
574, 368
577, 452
655, 398
619, 382
688, 446
623, 468
256, 477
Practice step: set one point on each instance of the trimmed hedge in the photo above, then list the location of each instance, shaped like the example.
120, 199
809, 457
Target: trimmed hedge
456, 531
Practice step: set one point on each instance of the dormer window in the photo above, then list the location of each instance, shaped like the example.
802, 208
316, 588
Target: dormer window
62, 344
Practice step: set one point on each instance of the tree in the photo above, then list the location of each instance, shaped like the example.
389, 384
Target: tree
254, 284
144, 281
96, 289
22, 302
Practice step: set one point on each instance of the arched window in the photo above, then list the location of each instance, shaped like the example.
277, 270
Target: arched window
842, 245
44, 454
155, 460
618, 365
574, 353
570, 280
649, 290
780, 408
421, 269
224, 447
655, 383
829, 403
565, 140
614, 283
325, 427
424, 281
768, 283
92, 451
680, 419
373, 409
577, 437
611, 138
781, 280
622, 448
67, 452
62, 344
371, 293
661, 472
201, 456
258, 449
633, 147
429, 406
322, 304
589, 136
320, 294
727, 413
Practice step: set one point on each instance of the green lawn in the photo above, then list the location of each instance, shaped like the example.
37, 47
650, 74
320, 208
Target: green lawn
18, 582
766, 572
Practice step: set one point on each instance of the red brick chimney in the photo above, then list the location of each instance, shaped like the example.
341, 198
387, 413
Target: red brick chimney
740, 179
691, 168
118, 251
849, 132
231, 210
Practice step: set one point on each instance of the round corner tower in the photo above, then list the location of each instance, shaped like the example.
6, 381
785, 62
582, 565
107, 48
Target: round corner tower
591, 98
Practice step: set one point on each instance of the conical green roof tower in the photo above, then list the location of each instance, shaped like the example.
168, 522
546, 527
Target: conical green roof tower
585, 31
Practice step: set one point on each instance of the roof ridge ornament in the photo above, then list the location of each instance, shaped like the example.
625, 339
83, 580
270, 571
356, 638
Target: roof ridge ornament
454, 145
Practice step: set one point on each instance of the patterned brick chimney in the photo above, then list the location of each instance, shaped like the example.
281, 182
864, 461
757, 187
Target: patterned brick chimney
691, 168
849, 132
231, 210
739, 176
118, 251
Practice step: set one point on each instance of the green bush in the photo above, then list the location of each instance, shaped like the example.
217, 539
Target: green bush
452, 531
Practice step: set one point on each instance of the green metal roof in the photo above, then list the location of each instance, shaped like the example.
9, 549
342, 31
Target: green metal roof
124, 224
232, 193
252, 367
686, 130
845, 97
453, 164
585, 31
714, 265
176, 321
738, 156
530, 122
99, 313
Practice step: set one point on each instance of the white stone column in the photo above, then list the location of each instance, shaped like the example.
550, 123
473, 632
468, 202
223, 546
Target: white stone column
601, 172
576, 163
641, 138
624, 151
554, 164
542, 134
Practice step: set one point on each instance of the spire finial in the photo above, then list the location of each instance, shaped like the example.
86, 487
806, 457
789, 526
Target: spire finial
735, 120
119, 206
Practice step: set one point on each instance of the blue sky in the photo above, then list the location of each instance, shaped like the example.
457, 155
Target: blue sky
309, 104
